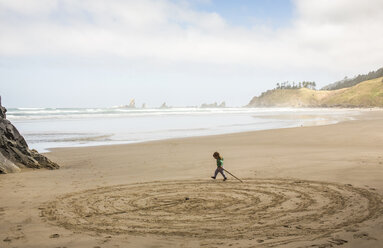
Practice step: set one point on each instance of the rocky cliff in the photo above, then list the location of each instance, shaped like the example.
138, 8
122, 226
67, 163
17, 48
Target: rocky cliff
14, 151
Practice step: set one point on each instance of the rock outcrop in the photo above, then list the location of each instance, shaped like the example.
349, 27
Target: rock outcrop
213, 105
14, 150
164, 106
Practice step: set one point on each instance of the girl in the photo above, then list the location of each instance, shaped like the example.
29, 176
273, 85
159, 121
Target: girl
219, 169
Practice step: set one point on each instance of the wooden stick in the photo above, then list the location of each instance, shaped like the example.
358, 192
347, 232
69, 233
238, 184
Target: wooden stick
233, 176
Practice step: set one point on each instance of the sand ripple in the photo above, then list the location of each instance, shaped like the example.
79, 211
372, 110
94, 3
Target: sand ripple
271, 211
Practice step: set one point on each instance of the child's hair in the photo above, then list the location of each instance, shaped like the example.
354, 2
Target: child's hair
217, 155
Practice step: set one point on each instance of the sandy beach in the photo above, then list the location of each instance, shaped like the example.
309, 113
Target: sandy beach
318, 186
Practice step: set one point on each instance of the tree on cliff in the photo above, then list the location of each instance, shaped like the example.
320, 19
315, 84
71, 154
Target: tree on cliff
349, 82
288, 85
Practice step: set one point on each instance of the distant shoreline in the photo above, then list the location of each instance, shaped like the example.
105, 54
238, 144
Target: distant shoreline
363, 115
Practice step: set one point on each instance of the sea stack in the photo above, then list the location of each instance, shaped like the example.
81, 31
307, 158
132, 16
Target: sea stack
164, 106
14, 150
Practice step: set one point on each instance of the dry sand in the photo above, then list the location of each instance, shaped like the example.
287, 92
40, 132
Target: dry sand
303, 187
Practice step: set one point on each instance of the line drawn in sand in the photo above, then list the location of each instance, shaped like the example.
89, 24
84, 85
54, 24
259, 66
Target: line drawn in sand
272, 212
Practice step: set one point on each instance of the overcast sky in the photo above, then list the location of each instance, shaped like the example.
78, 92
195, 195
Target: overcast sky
100, 53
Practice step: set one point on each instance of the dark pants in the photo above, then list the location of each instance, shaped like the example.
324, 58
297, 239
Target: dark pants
220, 170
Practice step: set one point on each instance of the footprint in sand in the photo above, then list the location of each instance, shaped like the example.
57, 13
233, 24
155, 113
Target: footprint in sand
363, 235
15, 233
338, 241
54, 236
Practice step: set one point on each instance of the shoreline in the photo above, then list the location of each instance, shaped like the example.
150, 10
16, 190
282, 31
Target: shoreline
103, 177
364, 114
88, 131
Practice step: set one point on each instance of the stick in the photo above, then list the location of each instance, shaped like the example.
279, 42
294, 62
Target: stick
233, 175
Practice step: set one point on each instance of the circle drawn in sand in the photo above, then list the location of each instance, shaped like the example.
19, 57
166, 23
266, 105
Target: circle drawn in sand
276, 211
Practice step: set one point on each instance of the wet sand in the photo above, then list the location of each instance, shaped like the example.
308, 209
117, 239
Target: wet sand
303, 187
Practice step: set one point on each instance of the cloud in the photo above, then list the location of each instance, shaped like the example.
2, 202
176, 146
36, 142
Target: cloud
329, 35
340, 33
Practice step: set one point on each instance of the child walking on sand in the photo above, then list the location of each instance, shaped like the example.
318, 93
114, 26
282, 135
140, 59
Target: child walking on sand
219, 169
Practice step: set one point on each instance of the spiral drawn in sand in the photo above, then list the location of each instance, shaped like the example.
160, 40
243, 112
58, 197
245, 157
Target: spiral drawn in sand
274, 210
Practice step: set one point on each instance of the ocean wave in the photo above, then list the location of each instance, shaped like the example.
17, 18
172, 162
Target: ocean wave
79, 113
31, 108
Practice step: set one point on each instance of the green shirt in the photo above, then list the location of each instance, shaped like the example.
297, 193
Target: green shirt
220, 162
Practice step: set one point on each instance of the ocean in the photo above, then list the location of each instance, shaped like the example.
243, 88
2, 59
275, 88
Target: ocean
45, 128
